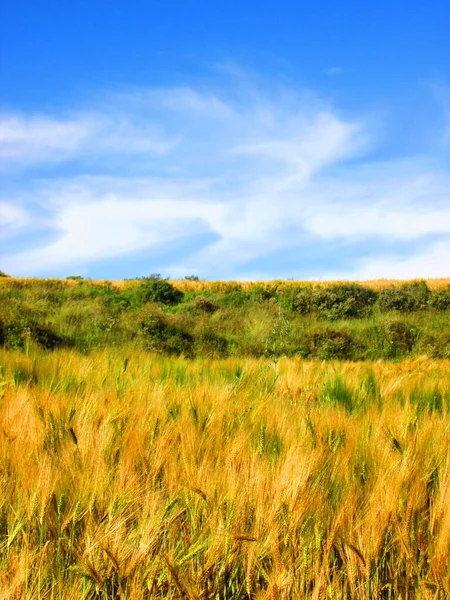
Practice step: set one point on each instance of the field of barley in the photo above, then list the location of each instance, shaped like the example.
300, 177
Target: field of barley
127, 474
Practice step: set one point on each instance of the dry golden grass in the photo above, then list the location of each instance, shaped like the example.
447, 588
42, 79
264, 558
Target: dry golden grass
227, 286
224, 286
134, 476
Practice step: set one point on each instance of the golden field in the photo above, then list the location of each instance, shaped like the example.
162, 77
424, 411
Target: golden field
131, 475
227, 286
224, 286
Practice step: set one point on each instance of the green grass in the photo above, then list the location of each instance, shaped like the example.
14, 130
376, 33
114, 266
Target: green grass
341, 322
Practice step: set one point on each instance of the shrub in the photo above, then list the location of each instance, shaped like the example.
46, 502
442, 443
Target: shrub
419, 292
3, 274
153, 289
328, 344
204, 305
297, 299
343, 301
14, 336
47, 338
165, 338
435, 345
154, 326
400, 337
407, 297
192, 278
393, 298
440, 299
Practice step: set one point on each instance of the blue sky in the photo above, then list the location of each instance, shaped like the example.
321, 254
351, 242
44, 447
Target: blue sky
250, 140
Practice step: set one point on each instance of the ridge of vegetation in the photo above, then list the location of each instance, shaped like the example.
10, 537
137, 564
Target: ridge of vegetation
219, 319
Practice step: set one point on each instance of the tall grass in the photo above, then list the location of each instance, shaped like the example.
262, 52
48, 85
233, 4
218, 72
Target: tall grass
130, 475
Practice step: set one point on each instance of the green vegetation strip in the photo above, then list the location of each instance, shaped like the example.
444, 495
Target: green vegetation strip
278, 319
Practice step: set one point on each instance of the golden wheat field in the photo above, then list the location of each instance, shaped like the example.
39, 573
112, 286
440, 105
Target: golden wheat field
227, 286
130, 475
224, 286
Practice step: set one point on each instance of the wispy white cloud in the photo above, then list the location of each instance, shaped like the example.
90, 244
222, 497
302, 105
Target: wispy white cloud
388, 202
93, 223
38, 138
13, 218
430, 261
262, 171
43, 139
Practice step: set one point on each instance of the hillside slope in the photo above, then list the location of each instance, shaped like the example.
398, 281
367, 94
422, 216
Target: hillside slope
324, 320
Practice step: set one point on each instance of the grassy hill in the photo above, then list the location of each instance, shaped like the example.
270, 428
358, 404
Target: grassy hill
338, 320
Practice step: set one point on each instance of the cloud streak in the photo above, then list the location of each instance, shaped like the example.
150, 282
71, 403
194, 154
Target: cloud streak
260, 171
26, 140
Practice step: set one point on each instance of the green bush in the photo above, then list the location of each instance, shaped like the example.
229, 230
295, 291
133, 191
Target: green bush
165, 338
152, 289
435, 345
343, 301
297, 299
204, 305
15, 335
328, 344
405, 298
400, 338
440, 299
